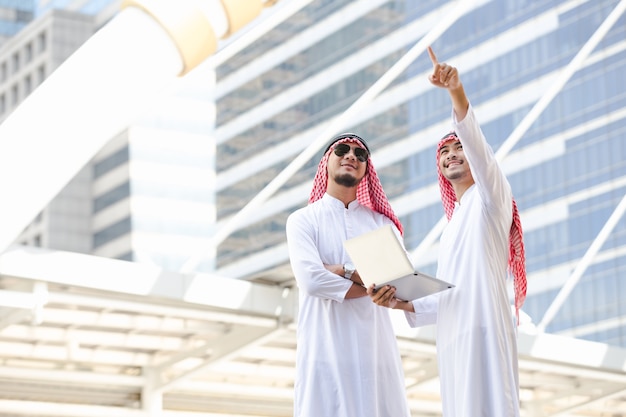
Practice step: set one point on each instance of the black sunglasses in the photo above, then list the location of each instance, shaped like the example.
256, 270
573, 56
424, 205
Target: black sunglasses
360, 153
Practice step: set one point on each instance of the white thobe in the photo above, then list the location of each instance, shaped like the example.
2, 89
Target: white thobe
347, 358
476, 333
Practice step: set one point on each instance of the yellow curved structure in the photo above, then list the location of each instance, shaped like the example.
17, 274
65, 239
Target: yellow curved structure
192, 30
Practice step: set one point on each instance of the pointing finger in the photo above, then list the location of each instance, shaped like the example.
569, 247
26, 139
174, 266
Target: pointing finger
432, 56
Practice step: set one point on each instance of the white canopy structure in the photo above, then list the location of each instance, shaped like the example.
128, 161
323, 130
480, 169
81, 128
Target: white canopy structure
88, 336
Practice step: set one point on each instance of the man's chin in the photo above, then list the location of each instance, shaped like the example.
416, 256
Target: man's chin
346, 180
454, 175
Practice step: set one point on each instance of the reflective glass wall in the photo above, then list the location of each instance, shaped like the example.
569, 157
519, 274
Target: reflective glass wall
566, 170
14, 15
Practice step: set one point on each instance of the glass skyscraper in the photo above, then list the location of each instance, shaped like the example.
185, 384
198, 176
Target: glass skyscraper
277, 95
14, 15
90, 7
566, 169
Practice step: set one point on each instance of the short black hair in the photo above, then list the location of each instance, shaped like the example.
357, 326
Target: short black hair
451, 133
344, 136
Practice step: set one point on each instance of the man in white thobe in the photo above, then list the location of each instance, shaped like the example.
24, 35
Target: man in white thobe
347, 359
476, 331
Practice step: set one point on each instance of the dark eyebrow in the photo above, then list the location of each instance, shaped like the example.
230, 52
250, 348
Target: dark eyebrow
458, 142
444, 147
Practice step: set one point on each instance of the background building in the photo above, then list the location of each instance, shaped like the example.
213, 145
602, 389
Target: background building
14, 15
566, 170
159, 168
89, 7
26, 60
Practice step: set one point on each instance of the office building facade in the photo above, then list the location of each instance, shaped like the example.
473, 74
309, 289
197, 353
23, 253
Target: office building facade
566, 169
151, 199
88, 7
14, 15
26, 60
148, 194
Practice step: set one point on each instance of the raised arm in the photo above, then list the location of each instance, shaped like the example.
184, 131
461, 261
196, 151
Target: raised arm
446, 76
486, 172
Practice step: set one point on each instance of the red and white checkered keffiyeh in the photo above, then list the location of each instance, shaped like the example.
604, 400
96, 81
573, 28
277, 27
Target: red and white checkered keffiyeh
517, 256
369, 192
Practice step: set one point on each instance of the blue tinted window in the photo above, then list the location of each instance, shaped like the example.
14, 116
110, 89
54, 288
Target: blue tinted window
111, 162
112, 232
111, 197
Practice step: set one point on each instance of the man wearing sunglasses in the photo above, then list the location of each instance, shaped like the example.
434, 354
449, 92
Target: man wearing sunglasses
347, 358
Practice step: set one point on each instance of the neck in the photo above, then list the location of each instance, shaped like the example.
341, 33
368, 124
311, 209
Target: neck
460, 187
345, 194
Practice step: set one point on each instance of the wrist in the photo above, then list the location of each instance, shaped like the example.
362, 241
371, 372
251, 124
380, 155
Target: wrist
404, 305
348, 270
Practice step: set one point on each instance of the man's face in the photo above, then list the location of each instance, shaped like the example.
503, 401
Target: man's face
344, 167
452, 161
